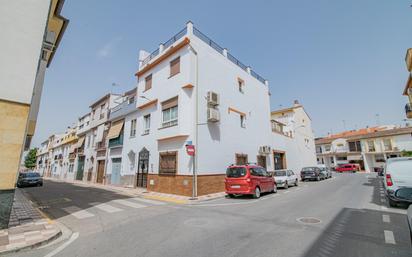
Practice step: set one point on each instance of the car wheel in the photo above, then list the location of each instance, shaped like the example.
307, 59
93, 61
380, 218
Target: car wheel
392, 203
296, 182
286, 185
256, 195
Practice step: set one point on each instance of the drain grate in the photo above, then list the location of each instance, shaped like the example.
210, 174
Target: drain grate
308, 220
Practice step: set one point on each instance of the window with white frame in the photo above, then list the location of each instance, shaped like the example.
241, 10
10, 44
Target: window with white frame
387, 144
327, 148
371, 146
133, 128
169, 112
146, 124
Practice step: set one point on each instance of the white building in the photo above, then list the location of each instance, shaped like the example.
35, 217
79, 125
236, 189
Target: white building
192, 91
369, 147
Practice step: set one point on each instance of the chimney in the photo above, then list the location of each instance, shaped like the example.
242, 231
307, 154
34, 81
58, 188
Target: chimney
296, 103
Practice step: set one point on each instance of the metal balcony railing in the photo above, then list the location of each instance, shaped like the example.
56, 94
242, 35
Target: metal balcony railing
114, 142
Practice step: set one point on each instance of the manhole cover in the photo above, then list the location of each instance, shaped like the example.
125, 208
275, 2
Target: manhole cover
308, 220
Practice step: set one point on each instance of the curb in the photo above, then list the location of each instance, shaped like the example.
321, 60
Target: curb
35, 245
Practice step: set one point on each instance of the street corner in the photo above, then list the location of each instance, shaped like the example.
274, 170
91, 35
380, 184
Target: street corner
28, 236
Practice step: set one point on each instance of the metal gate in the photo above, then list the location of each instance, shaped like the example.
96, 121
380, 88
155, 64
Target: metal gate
143, 168
80, 168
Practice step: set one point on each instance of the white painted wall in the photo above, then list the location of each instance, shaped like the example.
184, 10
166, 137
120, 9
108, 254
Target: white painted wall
22, 26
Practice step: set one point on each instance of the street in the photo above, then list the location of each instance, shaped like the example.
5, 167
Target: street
342, 216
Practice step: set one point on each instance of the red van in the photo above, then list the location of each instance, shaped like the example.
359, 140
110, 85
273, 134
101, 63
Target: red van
347, 168
248, 180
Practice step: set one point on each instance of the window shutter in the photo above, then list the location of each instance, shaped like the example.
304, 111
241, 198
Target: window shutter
168, 163
172, 102
148, 82
175, 66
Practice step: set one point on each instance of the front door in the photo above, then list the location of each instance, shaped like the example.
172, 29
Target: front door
143, 168
80, 168
100, 171
279, 160
116, 167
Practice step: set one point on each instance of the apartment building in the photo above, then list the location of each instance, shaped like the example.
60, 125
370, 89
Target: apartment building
91, 147
369, 147
31, 33
63, 155
293, 139
408, 87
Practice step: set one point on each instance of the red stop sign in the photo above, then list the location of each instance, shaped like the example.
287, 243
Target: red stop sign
190, 150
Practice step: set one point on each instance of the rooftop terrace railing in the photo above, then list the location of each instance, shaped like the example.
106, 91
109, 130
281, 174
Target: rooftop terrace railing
208, 41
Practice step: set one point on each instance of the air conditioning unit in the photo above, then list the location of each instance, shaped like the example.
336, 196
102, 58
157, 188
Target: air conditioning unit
212, 98
213, 115
264, 149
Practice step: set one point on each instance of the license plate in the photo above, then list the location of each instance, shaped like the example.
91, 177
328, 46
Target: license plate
235, 186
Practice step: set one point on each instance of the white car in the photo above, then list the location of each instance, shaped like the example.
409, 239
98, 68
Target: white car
398, 180
285, 178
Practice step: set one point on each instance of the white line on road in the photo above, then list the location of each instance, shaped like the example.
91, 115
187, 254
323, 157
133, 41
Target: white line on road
386, 218
389, 238
64, 245
107, 208
148, 201
130, 204
78, 213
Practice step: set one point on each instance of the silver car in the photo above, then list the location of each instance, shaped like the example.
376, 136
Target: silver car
285, 178
398, 180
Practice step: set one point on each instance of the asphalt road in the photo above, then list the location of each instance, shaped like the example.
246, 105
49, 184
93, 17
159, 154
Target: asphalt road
342, 217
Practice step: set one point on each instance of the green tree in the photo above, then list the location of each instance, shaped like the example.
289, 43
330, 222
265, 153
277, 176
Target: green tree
30, 161
405, 153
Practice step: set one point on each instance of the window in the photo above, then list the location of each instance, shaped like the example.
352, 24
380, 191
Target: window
236, 172
148, 82
256, 172
379, 158
241, 159
355, 146
387, 144
146, 124
327, 148
371, 146
131, 100
332, 160
175, 66
241, 84
133, 128
341, 158
242, 121
169, 112
167, 163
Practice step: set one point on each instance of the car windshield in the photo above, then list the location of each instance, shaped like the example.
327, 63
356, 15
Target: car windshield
29, 175
308, 169
235, 172
280, 173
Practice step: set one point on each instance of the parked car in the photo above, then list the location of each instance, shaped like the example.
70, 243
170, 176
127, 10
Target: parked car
311, 173
29, 179
248, 180
349, 167
325, 170
285, 178
398, 180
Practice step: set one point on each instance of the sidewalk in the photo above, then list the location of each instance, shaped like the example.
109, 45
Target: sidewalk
177, 199
27, 227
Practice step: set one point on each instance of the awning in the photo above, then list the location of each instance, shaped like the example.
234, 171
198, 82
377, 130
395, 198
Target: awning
115, 129
80, 142
73, 148
99, 136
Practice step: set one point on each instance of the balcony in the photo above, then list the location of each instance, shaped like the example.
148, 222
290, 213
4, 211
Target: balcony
408, 110
122, 109
116, 142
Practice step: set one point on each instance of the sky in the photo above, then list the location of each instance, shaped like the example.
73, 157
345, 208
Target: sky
343, 60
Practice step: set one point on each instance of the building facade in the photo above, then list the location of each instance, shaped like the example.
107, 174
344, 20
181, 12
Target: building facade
31, 32
370, 147
408, 87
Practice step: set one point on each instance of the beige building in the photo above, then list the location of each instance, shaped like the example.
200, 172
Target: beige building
31, 33
408, 87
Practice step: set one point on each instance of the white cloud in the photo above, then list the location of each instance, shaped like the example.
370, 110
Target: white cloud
108, 48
